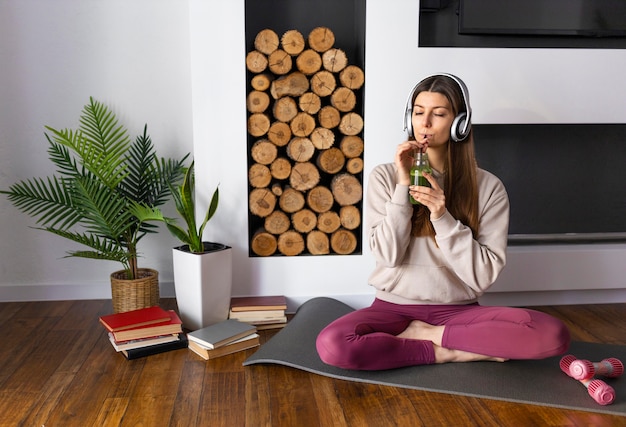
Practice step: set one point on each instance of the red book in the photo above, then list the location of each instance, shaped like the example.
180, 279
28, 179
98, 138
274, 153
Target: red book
172, 326
272, 302
134, 319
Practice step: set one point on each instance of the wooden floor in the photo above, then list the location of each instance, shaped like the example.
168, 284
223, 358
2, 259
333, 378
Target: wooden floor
59, 369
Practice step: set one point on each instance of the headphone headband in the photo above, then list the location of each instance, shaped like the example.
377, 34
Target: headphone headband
463, 121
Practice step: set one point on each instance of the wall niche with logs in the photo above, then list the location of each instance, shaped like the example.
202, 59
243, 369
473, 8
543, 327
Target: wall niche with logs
305, 133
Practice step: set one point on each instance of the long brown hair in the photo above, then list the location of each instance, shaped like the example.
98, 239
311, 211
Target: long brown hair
460, 182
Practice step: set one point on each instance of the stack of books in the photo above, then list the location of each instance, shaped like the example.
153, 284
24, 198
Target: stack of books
144, 332
222, 338
265, 312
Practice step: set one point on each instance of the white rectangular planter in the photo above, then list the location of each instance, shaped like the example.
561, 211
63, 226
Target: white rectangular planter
203, 285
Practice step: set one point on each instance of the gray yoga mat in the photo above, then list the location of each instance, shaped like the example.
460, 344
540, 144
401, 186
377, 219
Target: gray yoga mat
538, 382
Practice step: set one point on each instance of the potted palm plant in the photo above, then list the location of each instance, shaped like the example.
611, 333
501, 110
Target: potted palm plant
202, 269
100, 175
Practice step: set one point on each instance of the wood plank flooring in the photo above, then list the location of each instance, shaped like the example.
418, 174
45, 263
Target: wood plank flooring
57, 368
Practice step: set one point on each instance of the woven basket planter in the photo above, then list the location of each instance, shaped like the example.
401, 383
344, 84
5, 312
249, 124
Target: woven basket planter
134, 294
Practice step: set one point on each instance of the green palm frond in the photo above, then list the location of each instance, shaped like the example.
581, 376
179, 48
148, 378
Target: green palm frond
105, 248
49, 200
139, 182
62, 158
103, 134
104, 211
169, 172
99, 176
100, 143
149, 178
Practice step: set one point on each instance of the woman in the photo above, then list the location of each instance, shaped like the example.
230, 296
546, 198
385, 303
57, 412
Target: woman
434, 259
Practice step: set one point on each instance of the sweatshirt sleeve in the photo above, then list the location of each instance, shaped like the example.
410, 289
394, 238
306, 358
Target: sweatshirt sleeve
478, 262
388, 213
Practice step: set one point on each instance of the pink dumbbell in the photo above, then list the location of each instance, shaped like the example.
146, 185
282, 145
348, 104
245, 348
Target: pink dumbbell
583, 369
599, 391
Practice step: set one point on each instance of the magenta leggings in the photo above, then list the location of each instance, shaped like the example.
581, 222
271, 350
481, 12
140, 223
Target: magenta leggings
366, 339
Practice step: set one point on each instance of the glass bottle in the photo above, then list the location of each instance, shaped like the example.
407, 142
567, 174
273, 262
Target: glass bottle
420, 166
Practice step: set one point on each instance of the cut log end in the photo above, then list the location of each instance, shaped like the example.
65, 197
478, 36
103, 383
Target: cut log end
350, 217
256, 62
320, 199
277, 223
291, 200
304, 176
262, 202
259, 176
279, 62
328, 222
346, 189
321, 39
309, 62
266, 41
264, 244
352, 77
343, 242
351, 124
323, 83
293, 42
302, 125
279, 133
258, 124
304, 220
300, 149
264, 152
257, 101
334, 60
331, 160
280, 169
317, 243
291, 243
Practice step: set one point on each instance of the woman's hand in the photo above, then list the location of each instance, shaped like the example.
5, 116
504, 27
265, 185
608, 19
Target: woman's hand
432, 197
404, 160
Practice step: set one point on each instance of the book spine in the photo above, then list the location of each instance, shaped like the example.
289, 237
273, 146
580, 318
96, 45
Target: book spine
137, 353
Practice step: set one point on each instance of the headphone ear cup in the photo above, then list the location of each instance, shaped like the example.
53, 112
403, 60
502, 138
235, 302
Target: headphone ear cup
408, 116
457, 131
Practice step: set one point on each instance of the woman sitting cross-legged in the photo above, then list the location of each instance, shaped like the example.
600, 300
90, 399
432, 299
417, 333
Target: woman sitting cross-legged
437, 255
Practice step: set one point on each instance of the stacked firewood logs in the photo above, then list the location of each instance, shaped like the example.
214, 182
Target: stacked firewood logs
305, 145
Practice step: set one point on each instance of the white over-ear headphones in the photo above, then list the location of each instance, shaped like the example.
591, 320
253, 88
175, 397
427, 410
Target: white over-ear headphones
462, 122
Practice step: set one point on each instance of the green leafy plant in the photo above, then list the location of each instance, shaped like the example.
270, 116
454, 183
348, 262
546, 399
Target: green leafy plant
100, 176
184, 200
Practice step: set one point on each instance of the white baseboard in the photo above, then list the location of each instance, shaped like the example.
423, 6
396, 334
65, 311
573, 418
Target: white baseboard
63, 292
74, 292
574, 297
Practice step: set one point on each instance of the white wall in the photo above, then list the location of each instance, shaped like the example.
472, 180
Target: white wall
507, 86
132, 55
179, 66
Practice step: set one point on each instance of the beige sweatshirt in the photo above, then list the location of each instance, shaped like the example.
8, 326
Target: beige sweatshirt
415, 270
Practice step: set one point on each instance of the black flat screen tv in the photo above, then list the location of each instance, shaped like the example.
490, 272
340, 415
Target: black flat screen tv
566, 182
582, 18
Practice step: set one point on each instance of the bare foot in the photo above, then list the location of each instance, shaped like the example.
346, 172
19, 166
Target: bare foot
418, 330
445, 355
